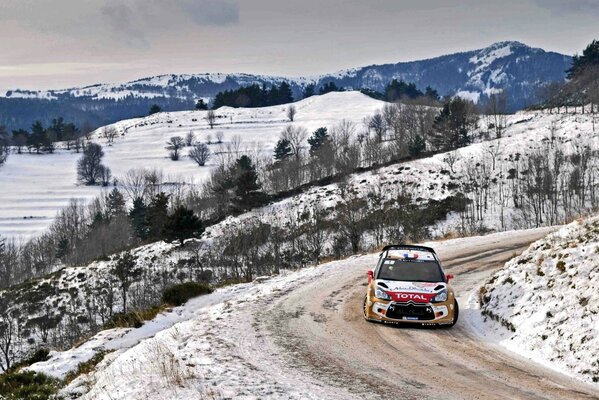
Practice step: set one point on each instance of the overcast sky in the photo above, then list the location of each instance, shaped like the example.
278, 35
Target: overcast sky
63, 43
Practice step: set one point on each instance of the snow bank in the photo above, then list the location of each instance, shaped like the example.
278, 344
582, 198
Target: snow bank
548, 300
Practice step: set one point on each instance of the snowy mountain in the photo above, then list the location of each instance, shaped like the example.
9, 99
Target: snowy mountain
511, 66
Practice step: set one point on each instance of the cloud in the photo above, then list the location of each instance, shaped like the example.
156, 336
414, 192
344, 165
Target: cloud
122, 20
588, 7
211, 12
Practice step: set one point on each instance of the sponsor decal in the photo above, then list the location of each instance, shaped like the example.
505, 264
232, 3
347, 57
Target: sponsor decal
415, 297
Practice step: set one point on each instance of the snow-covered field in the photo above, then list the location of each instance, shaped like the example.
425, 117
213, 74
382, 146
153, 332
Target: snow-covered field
35, 187
545, 303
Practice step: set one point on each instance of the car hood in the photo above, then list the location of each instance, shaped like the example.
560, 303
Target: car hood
419, 292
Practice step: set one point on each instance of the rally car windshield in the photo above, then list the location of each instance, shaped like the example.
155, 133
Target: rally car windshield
411, 270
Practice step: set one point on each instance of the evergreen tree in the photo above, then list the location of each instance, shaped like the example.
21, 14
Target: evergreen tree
417, 146
37, 137
182, 224
283, 150
397, 90
329, 87
115, 203
432, 93
453, 124
126, 271
157, 215
309, 90
318, 138
285, 95
62, 248
245, 177
589, 57
139, 218
154, 109
20, 138
201, 105
58, 127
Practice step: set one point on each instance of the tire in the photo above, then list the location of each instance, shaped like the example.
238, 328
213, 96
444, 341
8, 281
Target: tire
456, 312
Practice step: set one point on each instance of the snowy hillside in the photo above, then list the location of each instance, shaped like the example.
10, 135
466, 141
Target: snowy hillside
35, 187
547, 300
512, 67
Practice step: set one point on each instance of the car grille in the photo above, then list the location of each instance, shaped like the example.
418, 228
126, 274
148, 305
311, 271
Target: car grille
423, 312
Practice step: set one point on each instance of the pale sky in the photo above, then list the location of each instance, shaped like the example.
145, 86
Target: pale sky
63, 43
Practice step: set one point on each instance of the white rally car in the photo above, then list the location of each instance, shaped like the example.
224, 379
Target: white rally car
409, 285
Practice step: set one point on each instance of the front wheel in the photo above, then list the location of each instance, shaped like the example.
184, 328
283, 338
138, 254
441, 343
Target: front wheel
456, 312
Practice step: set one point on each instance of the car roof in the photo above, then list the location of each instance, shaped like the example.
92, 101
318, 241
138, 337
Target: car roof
422, 255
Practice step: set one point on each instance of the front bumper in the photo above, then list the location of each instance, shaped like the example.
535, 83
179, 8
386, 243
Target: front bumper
409, 312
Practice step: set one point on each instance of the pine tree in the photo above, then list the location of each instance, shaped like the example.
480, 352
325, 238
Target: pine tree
62, 248
154, 109
283, 150
139, 218
126, 271
285, 95
157, 215
115, 203
201, 105
37, 137
245, 178
183, 224
318, 138
589, 57
417, 146
309, 90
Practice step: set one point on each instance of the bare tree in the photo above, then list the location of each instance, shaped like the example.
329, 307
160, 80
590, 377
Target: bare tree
291, 111
378, 125
296, 136
105, 175
219, 136
496, 110
200, 153
189, 138
175, 144
211, 118
110, 133
88, 166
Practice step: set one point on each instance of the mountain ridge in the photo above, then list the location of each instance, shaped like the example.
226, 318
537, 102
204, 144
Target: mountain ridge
509, 66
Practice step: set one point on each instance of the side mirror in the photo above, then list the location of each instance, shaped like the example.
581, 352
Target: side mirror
370, 274
449, 277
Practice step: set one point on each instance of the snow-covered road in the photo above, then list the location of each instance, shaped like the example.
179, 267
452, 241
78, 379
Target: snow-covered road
303, 336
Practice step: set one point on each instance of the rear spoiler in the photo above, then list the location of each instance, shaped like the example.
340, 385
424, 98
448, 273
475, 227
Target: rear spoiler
407, 247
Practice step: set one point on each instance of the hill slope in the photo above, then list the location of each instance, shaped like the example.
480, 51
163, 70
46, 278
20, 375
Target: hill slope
35, 187
511, 66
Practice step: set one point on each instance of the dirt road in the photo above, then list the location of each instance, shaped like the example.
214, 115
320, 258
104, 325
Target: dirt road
320, 331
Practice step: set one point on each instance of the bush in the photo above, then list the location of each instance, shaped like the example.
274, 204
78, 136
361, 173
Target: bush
132, 319
27, 385
86, 367
179, 294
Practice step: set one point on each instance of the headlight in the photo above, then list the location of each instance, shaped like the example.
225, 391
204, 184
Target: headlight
441, 296
381, 294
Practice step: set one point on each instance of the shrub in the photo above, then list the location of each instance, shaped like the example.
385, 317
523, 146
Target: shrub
39, 355
561, 265
28, 385
179, 294
86, 367
132, 319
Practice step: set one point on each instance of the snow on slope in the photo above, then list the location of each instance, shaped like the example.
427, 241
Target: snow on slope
546, 301
35, 187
